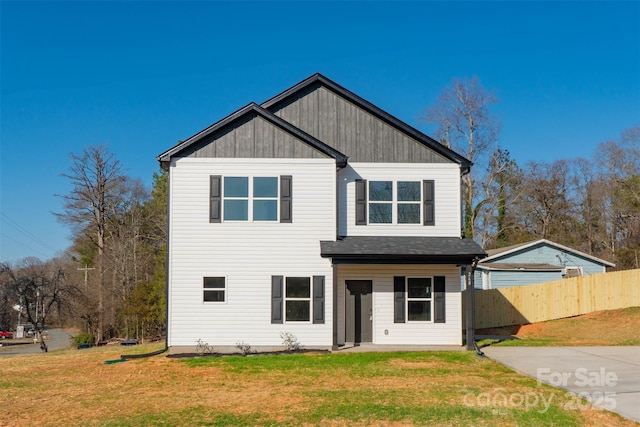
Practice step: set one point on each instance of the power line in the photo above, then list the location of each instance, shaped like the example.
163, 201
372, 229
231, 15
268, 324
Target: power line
4, 236
5, 218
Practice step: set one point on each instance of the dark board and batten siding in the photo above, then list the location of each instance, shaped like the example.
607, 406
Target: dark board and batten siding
353, 131
254, 138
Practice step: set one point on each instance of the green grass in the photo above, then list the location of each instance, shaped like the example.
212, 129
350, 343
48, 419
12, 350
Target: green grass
359, 389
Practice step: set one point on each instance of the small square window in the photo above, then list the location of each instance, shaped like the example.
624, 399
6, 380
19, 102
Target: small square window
380, 213
408, 213
236, 210
409, 191
236, 186
214, 289
419, 311
380, 191
265, 187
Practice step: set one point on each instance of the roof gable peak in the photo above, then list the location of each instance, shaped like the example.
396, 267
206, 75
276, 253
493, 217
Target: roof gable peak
256, 110
317, 80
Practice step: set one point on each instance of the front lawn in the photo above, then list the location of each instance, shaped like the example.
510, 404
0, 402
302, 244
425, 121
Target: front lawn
76, 387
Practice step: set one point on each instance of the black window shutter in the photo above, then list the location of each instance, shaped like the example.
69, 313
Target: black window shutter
361, 202
428, 203
398, 299
439, 302
215, 205
318, 299
285, 198
276, 299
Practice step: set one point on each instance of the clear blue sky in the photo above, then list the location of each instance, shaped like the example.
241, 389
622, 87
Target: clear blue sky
139, 76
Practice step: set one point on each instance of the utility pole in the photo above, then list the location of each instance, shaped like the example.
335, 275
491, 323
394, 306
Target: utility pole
86, 274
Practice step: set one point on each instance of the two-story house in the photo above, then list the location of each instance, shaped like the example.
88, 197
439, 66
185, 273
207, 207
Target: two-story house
319, 214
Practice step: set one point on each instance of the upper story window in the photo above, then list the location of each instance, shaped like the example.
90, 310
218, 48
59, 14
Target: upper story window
394, 202
241, 198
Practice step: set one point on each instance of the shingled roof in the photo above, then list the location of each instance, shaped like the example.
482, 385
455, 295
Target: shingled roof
402, 250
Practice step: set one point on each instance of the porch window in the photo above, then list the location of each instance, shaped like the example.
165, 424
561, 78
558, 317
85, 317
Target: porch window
419, 299
214, 289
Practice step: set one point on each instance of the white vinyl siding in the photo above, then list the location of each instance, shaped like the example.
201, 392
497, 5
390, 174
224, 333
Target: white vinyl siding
447, 213
247, 253
416, 333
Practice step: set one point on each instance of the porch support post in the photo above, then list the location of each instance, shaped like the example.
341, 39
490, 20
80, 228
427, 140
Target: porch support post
334, 267
469, 307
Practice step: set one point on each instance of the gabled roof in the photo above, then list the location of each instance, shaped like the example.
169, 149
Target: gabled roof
500, 252
250, 110
401, 249
320, 80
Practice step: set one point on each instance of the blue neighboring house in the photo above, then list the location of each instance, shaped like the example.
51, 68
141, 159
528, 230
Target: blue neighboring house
534, 262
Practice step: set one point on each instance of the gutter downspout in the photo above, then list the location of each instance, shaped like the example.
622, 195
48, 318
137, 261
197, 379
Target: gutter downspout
334, 267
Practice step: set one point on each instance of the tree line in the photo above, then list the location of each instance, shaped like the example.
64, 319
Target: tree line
590, 204
111, 281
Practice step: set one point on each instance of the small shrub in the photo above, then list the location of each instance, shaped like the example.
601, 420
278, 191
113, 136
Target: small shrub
244, 348
203, 347
84, 339
290, 341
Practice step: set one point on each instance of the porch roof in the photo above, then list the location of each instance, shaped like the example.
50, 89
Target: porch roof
401, 250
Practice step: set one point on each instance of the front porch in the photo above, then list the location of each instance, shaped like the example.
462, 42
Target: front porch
398, 291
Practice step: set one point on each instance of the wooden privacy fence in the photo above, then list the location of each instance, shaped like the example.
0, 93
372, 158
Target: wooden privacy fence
520, 305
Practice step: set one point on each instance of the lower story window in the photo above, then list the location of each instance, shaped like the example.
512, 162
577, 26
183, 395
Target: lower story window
214, 289
297, 299
419, 299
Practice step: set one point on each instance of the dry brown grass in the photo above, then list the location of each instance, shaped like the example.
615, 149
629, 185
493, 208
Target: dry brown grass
611, 327
74, 387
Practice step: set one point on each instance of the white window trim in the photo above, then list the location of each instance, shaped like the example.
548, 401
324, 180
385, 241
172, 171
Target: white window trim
309, 300
225, 290
394, 203
431, 300
250, 198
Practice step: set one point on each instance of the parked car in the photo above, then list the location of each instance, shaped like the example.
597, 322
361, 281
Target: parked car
5, 335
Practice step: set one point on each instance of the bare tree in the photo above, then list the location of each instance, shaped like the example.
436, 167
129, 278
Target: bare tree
96, 176
547, 206
464, 123
620, 163
41, 289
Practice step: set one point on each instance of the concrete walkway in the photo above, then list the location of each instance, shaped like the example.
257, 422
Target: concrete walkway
608, 377
378, 348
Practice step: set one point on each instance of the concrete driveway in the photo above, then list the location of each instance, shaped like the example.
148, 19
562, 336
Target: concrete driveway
608, 377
